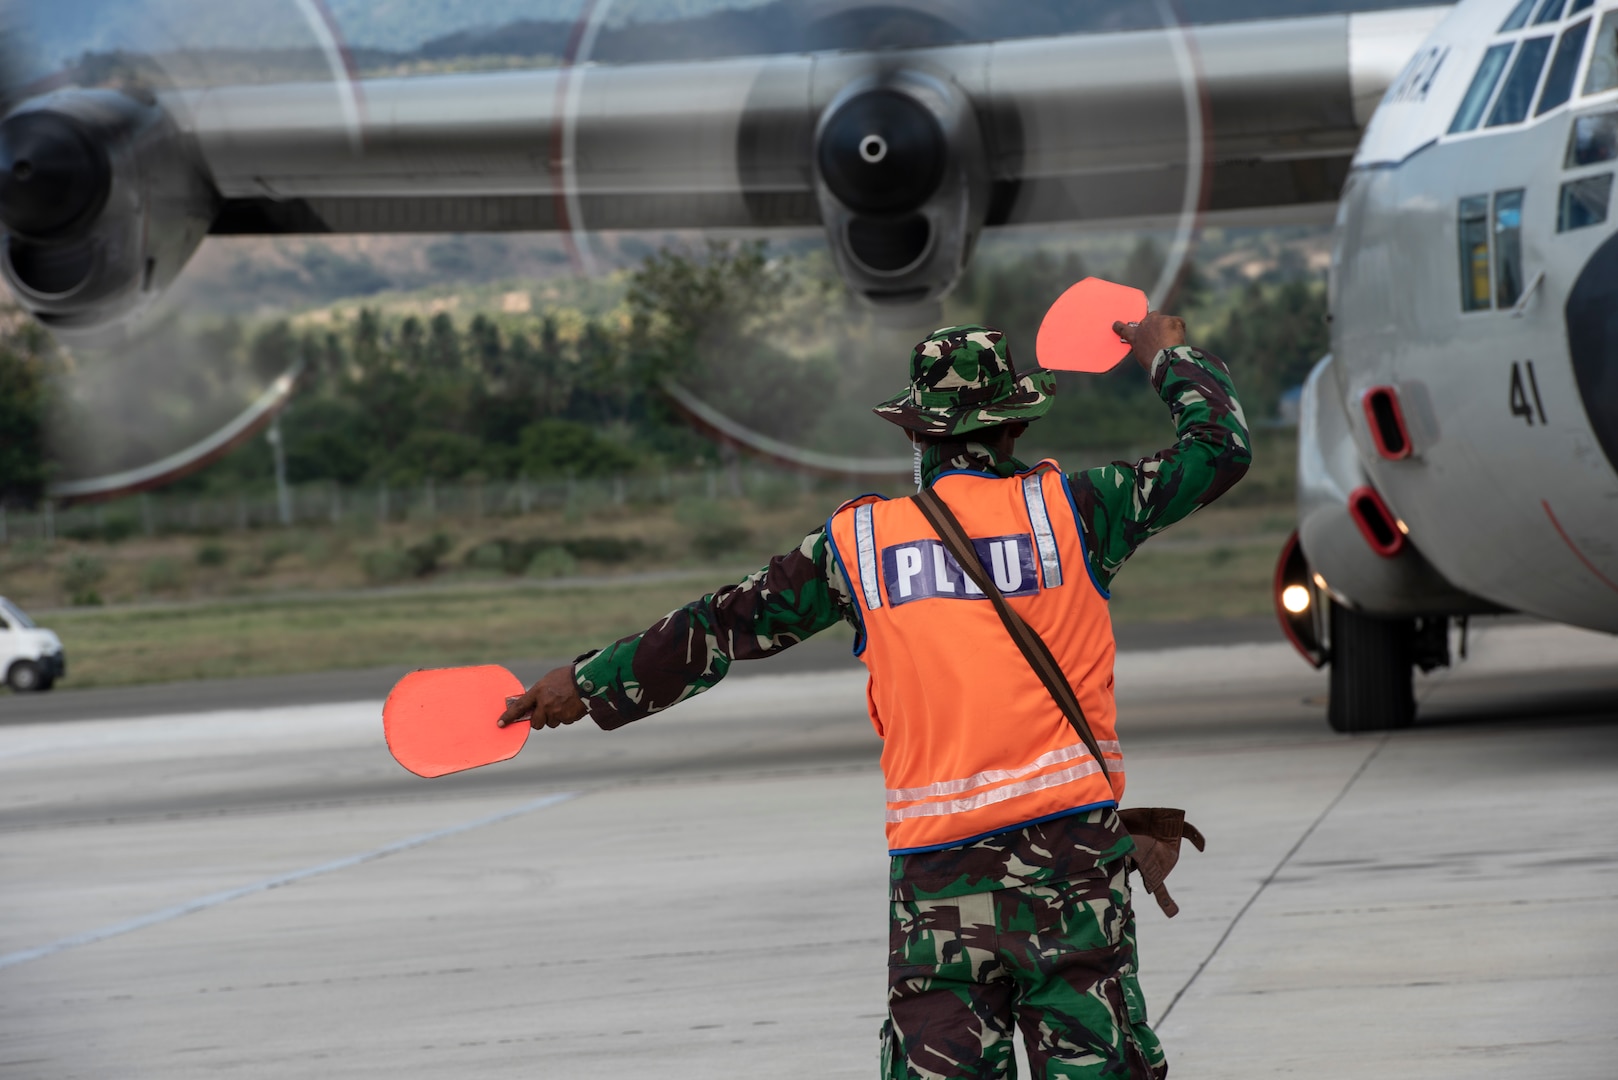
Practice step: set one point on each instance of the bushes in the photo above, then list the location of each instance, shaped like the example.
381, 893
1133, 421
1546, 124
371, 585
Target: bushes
398, 563
212, 554
717, 539
81, 575
550, 562
272, 551
387, 565
715, 531
544, 557
162, 575
111, 531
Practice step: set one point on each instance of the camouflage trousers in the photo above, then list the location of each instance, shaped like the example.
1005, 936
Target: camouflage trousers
1058, 960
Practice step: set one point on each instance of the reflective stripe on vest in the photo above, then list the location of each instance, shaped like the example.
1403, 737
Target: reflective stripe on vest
865, 539
973, 743
1033, 492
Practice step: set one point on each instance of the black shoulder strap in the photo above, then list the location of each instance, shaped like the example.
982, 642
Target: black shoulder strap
1034, 650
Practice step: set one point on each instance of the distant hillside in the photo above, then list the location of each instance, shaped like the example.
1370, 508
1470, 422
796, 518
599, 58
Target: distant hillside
110, 41
385, 35
705, 29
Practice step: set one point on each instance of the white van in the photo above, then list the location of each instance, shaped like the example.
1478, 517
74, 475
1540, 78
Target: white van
31, 657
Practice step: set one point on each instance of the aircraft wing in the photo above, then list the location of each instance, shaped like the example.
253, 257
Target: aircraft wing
903, 156
140, 132
1070, 128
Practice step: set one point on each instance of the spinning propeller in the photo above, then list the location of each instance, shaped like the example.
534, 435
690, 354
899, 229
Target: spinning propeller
900, 138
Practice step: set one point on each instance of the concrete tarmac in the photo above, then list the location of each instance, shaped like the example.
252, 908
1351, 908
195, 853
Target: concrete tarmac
264, 893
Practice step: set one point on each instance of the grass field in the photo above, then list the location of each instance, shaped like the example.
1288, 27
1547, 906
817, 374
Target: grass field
1194, 578
420, 628
263, 602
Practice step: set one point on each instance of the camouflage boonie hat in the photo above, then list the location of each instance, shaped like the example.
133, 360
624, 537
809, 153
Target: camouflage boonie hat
962, 379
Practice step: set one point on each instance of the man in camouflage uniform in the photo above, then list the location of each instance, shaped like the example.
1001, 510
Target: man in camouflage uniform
1032, 925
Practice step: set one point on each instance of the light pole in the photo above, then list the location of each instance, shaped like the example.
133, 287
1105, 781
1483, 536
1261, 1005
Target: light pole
283, 497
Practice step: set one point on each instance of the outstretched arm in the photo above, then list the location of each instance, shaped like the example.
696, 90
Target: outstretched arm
1120, 505
691, 648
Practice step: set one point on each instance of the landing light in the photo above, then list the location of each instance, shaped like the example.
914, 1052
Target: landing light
1295, 598
1320, 581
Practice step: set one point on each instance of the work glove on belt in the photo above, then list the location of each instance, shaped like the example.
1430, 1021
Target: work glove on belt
1157, 832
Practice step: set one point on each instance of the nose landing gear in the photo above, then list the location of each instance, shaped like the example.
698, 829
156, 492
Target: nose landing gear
1373, 658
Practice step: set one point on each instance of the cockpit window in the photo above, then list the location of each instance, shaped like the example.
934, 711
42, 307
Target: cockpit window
1584, 202
1549, 11
1594, 139
1564, 66
1604, 62
1477, 97
1578, 6
1517, 93
1507, 247
1519, 16
1474, 230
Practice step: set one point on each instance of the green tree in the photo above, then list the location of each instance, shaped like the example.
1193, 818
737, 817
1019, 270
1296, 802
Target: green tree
1271, 339
718, 324
1014, 295
557, 447
26, 356
443, 342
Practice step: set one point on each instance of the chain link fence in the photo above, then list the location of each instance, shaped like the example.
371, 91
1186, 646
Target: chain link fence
326, 503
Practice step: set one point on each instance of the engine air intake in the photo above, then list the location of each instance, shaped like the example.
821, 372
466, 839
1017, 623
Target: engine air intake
1386, 419
889, 246
1381, 529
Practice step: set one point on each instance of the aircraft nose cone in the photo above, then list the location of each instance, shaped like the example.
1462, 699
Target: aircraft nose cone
52, 176
1592, 338
882, 152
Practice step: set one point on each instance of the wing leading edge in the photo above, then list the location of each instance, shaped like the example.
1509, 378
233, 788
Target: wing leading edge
1083, 128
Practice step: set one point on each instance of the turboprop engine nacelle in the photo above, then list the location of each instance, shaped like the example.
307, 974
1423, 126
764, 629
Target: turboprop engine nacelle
102, 204
902, 185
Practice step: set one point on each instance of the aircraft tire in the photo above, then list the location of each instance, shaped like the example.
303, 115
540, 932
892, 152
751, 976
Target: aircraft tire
1372, 671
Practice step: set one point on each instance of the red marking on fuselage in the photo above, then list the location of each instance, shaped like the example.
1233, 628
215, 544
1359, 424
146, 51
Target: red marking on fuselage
1568, 540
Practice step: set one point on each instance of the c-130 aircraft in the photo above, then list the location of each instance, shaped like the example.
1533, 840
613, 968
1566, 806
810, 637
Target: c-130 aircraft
1458, 449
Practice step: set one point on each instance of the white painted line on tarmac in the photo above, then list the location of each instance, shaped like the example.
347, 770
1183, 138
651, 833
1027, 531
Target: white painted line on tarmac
1269, 879
202, 903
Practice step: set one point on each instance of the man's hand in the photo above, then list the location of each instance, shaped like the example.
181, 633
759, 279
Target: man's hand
551, 702
1151, 336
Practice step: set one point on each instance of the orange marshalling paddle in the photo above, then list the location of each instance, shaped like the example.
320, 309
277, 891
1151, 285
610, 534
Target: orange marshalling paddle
443, 720
1076, 334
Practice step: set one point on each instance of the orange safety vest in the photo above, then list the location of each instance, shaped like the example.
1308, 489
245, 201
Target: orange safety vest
973, 744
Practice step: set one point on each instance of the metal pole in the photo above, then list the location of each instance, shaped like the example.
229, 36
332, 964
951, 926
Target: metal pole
283, 497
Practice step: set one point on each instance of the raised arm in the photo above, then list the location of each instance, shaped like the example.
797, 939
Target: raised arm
1121, 504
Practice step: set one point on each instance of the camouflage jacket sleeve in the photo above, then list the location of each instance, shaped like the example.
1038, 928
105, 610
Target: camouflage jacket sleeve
1121, 504
691, 648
